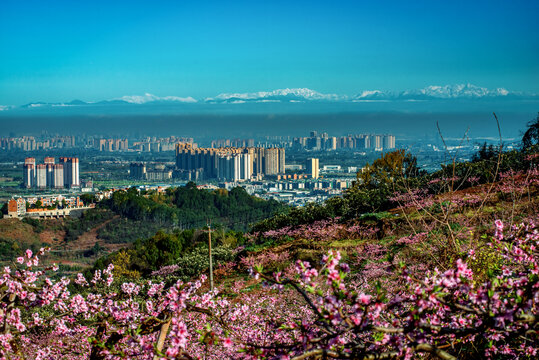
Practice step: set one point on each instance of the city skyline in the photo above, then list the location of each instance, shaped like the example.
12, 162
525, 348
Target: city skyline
61, 51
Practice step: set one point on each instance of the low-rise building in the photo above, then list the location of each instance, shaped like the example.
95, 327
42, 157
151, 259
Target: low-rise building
16, 208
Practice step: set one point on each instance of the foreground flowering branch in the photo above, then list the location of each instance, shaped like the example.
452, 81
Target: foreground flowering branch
436, 313
311, 312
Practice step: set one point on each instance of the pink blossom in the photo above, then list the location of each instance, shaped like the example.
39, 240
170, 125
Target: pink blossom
364, 299
227, 342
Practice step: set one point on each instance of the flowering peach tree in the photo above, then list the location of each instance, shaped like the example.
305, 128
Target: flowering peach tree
312, 311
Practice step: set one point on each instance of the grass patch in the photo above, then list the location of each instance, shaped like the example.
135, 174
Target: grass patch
376, 216
344, 243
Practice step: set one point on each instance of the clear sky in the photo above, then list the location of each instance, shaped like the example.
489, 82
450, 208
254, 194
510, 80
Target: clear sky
94, 50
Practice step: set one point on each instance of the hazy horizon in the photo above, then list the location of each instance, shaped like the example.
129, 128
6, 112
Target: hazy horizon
203, 126
64, 50
213, 69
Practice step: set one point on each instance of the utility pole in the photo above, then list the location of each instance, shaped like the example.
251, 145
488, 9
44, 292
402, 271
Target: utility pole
211, 262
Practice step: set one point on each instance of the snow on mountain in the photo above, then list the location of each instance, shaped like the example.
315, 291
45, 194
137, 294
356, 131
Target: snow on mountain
458, 91
453, 92
373, 95
279, 95
369, 93
147, 98
303, 95
35, 105
41, 104
124, 100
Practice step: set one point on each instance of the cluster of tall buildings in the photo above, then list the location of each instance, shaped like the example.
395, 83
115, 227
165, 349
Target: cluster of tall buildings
113, 144
30, 143
65, 174
239, 143
153, 144
229, 163
148, 144
323, 141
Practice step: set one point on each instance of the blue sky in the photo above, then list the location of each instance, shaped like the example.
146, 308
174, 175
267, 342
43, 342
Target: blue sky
94, 50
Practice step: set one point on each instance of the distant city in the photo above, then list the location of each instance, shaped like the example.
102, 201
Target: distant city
316, 141
295, 170
49, 142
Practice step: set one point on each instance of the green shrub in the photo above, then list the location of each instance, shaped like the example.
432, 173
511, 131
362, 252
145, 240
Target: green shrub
197, 262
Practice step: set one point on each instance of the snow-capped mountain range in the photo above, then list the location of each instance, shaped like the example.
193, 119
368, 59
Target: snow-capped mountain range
146, 98
128, 99
280, 95
466, 91
304, 95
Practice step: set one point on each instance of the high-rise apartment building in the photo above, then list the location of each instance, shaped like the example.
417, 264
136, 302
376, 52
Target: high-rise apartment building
389, 141
75, 174
57, 176
258, 161
246, 167
71, 171
378, 142
49, 162
271, 161
137, 170
333, 143
29, 172
312, 168
364, 142
67, 171
281, 160
41, 176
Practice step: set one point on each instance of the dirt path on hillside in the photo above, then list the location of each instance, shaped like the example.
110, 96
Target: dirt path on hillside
69, 253
88, 240
52, 237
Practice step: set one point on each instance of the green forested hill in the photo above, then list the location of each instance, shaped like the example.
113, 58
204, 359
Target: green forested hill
189, 207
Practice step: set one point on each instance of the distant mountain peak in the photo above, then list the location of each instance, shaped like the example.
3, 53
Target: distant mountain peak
281, 95
456, 91
147, 98
433, 92
77, 102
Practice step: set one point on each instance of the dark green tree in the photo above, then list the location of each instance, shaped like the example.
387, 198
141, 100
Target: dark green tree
486, 152
531, 136
87, 198
377, 182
